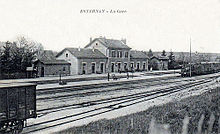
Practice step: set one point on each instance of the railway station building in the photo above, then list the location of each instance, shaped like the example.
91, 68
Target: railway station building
103, 55
138, 60
84, 60
116, 51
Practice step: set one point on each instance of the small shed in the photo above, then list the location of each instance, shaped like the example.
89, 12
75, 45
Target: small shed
47, 65
52, 67
159, 62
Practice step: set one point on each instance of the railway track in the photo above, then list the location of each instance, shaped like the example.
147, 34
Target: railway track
44, 111
98, 89
115, 104
87, 87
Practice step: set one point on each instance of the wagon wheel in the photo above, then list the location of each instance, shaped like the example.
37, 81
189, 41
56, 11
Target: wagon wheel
20, 126
3, 127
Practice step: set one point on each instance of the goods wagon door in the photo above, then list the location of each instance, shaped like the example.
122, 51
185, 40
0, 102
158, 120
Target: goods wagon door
31, 102
26, 102
21, 103
3, 104
12, 103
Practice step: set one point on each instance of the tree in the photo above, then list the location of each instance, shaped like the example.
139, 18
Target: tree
25, 52
150, 53
19, 55
182, 57
163, 53
6, 60
171, 63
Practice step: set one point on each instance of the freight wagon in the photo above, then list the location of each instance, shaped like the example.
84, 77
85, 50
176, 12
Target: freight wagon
200, 69
17, 104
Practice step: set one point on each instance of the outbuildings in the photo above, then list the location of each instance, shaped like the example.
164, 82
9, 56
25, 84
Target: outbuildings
48, 65
159, 62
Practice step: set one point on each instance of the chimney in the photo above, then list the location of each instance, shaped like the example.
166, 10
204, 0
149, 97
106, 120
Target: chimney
93, 49
90, 39
79, 48
123, 40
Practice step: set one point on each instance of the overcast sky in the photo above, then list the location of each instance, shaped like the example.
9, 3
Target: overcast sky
155, 24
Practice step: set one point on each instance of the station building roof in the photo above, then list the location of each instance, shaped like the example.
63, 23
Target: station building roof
84, 53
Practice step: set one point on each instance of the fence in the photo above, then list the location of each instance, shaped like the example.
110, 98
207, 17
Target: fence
17, 75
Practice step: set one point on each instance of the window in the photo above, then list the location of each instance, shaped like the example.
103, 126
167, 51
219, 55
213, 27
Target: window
120, 54
64, 68
126, 54
67, 55
113, 53
96, 44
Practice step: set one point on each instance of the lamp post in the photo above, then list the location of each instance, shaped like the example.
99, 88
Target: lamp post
60, 76
190, 60
108, 76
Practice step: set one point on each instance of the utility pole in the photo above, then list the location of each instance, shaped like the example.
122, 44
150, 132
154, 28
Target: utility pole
190, 60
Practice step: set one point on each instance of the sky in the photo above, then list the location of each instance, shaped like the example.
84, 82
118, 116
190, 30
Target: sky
146, 24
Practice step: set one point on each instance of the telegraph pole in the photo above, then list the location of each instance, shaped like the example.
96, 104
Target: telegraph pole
190, 60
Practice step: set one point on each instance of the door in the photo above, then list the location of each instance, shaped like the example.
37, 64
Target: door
125, 67
42, 71
132, 67
3, 104
21, 102
113, 67
84, 68
102, 67
93, 67
138, 66
119, 67
12, 103
144, 66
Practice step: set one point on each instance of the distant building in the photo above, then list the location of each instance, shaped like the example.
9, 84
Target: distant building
48, 65
116, 51
139, 60
159, 62
84, 60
